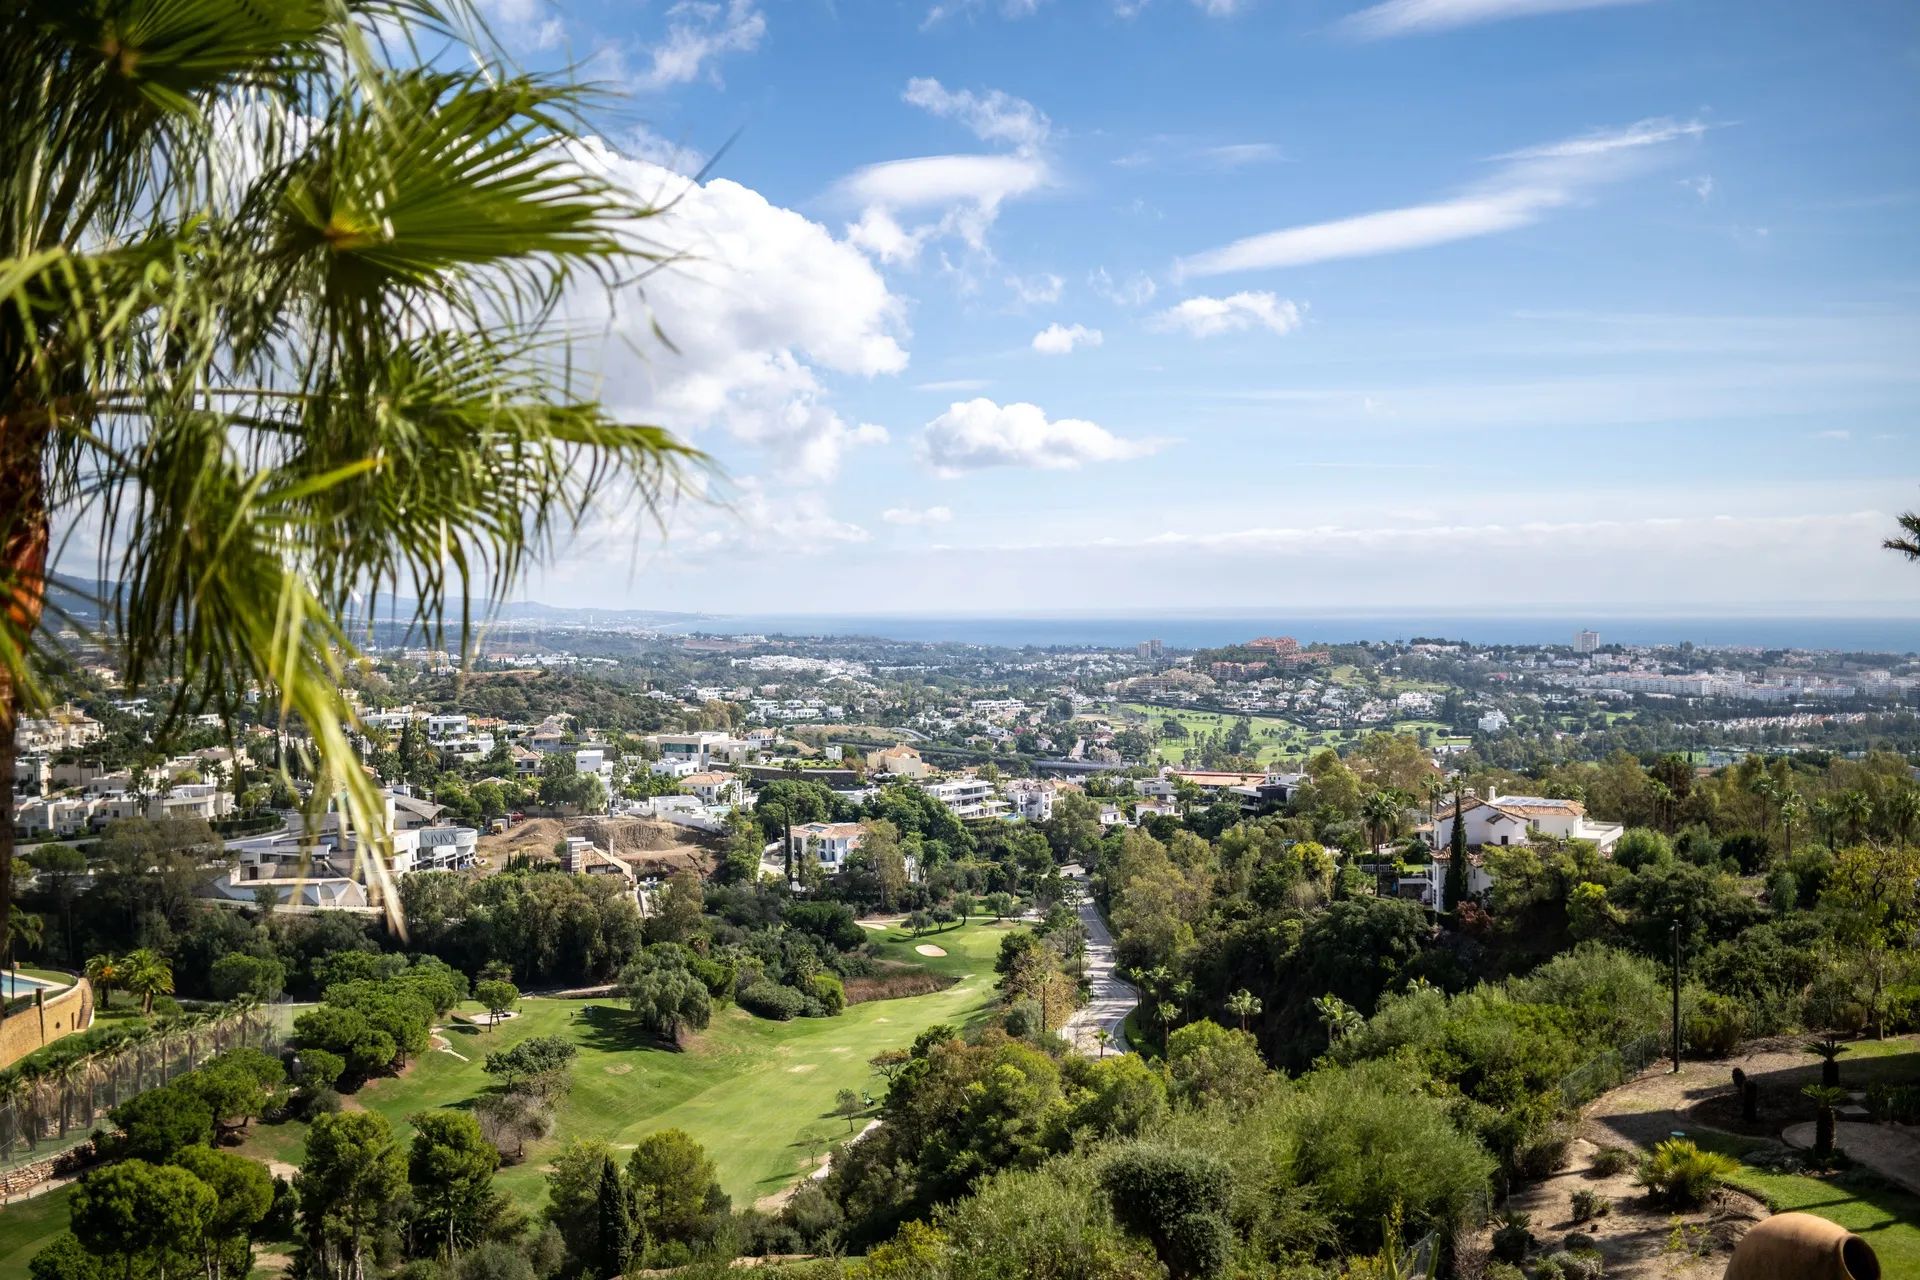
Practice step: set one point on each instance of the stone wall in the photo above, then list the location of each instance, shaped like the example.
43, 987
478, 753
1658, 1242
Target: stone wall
60, 1014
28, 1176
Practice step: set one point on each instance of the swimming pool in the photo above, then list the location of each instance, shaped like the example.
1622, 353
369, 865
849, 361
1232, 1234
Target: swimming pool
11, 986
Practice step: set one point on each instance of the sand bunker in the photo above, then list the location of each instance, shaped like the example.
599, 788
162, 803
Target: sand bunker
928, 949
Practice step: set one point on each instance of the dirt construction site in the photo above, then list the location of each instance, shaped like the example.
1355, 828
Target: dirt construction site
649, 845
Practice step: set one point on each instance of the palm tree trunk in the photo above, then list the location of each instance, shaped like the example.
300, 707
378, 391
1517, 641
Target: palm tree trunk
23, 563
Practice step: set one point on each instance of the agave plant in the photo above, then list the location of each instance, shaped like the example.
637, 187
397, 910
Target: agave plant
278, 285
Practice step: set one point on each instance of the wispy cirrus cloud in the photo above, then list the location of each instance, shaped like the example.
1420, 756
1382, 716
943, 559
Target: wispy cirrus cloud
1531, 182
966, 189
1419, 17
698, 34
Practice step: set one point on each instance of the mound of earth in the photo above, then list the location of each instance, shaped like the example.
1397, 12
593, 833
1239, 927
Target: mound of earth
650, 845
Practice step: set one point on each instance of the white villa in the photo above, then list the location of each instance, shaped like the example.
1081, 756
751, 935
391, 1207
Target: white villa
966, 797
1498, 819
325, 868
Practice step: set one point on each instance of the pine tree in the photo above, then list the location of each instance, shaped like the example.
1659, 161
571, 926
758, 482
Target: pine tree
616, 1222
1456, 886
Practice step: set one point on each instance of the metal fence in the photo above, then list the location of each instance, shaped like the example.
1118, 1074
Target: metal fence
51, 1101
1610, 1068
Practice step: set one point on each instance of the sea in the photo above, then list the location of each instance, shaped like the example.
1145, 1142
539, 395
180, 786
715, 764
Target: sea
1895, 635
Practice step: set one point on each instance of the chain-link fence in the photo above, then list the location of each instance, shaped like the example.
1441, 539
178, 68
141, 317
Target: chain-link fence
50, 1102
1610, 1068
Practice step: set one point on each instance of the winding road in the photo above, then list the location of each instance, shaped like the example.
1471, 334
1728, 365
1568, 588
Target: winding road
1112, 999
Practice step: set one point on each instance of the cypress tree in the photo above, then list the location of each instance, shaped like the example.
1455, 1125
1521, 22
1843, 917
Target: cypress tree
1456, 886
616, 1222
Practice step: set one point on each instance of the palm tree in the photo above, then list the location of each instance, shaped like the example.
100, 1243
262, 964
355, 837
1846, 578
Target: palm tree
147, 974
1826, 812
1901, 810
1337, 1016
13, 1094
1380, 811
1826, 1097
22, 926
1856, 808
1828, 1051
1662, 803
103, 971
1244, 1005
277, 300
1908, 544
69, 1075
1101, 1036
1793, 807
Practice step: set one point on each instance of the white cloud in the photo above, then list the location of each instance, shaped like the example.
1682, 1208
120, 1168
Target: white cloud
1135, 291
759, 304
976, 434
524, 23
1205, 317
756, 521
1833, 435
1701, 186
1530, 183
945, 179
967, 190
1414, 17
954, 384
1601, 142
970, 189
945, 9
993, 116
697, 34
1059, 340
1219, 8
1038, 289
917, 515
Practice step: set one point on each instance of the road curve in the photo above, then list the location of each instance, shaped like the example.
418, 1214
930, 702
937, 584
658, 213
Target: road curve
1111, 998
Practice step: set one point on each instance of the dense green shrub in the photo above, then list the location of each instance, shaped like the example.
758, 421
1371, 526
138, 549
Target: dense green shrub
1589, 1204
1513, 1238
771, 1000
830, 992
1369, 1137
1178, 1199
1716, 1025
1608, 1161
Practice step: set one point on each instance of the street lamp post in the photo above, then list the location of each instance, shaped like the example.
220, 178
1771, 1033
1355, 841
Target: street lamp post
1676, 995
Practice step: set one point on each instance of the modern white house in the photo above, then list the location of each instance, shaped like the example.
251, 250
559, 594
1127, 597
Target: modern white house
704, 749
966, 798
1498, 819
325, 868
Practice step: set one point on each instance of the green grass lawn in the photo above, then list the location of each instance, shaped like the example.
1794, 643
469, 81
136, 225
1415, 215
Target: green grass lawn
1885, 1216
26, 1225
758, 1095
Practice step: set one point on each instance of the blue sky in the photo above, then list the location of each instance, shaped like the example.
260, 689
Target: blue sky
1036, 305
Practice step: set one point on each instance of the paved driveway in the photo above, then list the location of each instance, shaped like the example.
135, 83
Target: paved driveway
1112, 999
